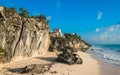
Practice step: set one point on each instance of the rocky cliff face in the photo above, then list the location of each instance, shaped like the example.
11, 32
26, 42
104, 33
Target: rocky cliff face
68, 41
22, 37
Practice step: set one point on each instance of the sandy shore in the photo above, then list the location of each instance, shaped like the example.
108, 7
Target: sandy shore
89, 67
109, 69
105, 67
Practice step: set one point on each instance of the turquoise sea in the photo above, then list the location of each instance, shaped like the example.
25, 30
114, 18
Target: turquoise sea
108, 52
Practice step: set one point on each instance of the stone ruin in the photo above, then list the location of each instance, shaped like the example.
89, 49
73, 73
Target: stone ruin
56, 33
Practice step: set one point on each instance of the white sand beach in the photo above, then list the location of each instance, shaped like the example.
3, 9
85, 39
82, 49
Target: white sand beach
89, 67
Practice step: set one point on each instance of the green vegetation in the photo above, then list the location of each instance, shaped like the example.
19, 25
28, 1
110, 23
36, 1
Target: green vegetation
13, 10
9, 11
71, 37
41, 17
77, 38
57, 42
2, 53
61, 40
1, 50
68, 41
7, 40
67, 38
23, 12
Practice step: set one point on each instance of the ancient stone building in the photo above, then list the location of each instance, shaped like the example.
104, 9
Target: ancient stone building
56, 33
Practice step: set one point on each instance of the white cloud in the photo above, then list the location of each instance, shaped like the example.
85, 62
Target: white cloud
97, 30
99, 15
111, 34
49, 18
113, 27
107, 35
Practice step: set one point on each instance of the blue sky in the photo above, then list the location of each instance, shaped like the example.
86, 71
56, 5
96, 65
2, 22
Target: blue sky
96, 21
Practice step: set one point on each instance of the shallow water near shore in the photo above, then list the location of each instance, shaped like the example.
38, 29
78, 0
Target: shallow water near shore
108, 53
108, 58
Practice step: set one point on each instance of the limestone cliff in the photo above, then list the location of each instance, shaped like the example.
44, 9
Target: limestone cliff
22, 37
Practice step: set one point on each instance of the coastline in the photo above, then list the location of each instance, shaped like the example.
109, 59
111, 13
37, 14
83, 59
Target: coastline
90, 65
106, 68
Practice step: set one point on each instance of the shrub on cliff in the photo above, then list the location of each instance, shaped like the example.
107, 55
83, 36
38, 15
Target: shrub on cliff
62, 42
41, 17
71, 37
24, 12
69, 41
9, 11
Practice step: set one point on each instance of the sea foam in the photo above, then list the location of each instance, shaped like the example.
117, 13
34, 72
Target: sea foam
110, 53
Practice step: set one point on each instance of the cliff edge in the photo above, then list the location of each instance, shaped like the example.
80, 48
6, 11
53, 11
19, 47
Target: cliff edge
21, 36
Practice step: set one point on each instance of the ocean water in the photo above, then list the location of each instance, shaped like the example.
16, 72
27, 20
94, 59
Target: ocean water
108, 52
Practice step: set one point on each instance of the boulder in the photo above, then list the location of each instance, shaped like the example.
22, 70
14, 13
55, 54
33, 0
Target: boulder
69, 57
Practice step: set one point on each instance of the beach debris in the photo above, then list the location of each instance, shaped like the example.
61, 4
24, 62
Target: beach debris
69, 57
